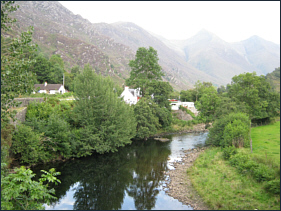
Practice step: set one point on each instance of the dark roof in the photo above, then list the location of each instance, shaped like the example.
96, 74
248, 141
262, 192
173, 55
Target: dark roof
48, 87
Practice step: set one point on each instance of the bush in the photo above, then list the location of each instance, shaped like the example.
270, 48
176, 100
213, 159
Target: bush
238, 160
227, 129
235, 133
263, 173
228, 152
20, 192
28, 145
39, 111
273, 186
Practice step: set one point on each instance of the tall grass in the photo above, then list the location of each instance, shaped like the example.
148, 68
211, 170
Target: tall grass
225, 187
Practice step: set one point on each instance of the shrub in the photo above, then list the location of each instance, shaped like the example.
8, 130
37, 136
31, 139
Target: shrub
235, 133
53, 101
39, 110
263, 173
221, 135
20, 192
28, 145
273, 186
228, 152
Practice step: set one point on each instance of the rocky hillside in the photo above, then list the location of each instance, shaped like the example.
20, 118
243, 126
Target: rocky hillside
109, 47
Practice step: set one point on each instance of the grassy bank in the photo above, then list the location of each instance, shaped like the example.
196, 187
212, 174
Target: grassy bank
226, 185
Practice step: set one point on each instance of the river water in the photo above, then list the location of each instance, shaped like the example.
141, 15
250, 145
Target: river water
130, 179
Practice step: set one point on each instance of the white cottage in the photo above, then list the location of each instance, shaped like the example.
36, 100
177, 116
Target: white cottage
131, 96
50, 88
175, 105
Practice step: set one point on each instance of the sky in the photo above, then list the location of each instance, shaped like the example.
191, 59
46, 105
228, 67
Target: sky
232, 21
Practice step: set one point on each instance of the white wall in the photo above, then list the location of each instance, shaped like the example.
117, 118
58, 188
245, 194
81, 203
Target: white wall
128, 97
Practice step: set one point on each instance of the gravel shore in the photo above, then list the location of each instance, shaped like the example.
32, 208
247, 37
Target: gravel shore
179, 186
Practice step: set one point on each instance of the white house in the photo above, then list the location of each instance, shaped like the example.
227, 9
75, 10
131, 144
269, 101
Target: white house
50, 88
175, 105
131, 96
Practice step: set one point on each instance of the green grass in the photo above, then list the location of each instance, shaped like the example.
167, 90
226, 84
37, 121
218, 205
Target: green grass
266, 141
222, 187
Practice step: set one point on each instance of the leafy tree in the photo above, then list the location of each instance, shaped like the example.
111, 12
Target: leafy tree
260, 101
207, 103
6, 8
147, 120
49, 70
226, 130
160, 91
221, 89
16, 59
106, 122
236, 134
20, 192
145, 69
188, 95
227, 106
42, 68
56, 59
75, 70
200, 88
28, 145
56, 74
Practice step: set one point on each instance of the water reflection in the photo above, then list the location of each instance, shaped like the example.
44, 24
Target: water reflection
128, 179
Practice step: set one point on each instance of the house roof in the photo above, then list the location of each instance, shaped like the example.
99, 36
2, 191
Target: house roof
48, 87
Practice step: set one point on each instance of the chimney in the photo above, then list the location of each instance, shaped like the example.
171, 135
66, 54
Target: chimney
126, 88
45, 83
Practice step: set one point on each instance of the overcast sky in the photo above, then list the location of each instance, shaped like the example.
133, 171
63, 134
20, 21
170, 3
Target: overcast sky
232, 21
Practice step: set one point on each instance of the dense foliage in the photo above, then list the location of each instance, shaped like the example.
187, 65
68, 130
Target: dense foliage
260, 100
232, 129
105, 121
19, 191
16, 58
145, 69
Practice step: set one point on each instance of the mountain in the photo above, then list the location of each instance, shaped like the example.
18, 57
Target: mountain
263, 55
178, 71
207, 52
109, 47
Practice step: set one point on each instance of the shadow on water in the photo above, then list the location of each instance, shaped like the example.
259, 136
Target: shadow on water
101, 182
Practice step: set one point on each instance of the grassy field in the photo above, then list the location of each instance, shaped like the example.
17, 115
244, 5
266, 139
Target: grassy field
266, 141
222, 187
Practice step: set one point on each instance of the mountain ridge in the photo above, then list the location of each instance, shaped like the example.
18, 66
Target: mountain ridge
109, 47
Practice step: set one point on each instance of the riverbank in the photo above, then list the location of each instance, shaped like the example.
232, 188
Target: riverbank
199, 128
180, 186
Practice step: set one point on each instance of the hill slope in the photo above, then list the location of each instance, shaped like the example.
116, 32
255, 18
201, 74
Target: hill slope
109, 47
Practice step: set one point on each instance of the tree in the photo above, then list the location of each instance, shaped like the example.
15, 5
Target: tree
20, 192
260, 100
200, 87
147, 121
145, 69
56, 74
229, 129
208, 102
188, 95
16, 59
105, 121
161, 92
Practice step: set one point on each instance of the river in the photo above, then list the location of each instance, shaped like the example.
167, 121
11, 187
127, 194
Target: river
130, 179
